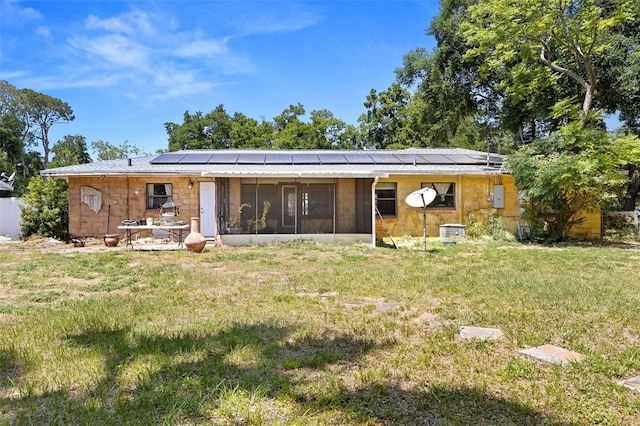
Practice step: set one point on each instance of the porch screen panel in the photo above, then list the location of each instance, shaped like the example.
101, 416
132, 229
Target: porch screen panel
253, 197
317, 200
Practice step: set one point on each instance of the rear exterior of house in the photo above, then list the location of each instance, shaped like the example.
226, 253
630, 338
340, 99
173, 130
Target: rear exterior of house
252, 197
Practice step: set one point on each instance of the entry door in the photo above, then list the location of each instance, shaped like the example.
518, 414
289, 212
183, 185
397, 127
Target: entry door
208, 209
289, 208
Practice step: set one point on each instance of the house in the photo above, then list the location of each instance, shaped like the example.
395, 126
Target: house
258, 196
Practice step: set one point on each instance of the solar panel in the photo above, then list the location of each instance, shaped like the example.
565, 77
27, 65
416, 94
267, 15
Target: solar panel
223, 158
410, 159
250, 158
304, 158
332, 158
278, 159
467, 159
358, 158
197, 158
384, 158
170, 158
437, 159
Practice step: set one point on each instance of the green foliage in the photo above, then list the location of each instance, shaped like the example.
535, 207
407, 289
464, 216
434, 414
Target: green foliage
566, 38
574, 170
107, 151
219, 130
492, 227
39, 112
69, 151
17, 138
388, 122
45, 212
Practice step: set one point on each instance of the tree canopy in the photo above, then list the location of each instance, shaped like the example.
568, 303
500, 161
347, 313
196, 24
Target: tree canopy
288, 130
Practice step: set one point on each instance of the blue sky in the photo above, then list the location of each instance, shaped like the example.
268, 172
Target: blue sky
127, 67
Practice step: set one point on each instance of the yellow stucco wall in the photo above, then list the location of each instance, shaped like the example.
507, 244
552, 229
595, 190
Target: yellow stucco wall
473, 195
474, 202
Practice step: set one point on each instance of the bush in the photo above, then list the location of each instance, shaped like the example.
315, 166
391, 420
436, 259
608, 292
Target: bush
45, 211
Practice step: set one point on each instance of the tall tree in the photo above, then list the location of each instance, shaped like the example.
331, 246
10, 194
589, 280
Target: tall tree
40, 112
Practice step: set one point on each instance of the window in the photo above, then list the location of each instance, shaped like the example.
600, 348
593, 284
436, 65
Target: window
446, 195
158, 194
386, 199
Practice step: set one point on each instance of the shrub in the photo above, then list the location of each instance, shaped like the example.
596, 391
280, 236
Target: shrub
45, 211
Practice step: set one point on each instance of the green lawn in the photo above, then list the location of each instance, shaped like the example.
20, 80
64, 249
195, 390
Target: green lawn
296, 334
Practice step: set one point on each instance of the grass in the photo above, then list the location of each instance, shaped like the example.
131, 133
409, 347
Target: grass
257, 336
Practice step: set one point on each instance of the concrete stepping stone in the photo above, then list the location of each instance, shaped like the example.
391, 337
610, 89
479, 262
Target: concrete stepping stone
389, 306
353, 304
632, 383
428, 318
481, 333
553, 354
329, 294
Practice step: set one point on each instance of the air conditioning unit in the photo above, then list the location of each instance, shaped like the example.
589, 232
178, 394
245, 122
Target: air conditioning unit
451, 230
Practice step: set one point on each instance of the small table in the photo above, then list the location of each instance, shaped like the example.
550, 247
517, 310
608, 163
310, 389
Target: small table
134, 229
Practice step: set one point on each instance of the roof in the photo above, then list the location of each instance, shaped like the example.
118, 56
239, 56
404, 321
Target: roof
294, 163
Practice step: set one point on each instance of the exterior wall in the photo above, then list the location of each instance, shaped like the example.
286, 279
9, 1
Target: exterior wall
474, 203
473, 200
126, 197
346, 206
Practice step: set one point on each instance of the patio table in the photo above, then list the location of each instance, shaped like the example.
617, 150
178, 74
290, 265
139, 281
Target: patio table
131, 230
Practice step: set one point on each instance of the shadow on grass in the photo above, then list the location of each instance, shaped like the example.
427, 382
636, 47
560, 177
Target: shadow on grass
186, 378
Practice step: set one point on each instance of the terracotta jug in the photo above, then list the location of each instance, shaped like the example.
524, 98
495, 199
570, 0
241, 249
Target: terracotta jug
195, 241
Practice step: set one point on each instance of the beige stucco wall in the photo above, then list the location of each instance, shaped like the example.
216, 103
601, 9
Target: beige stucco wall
120, 193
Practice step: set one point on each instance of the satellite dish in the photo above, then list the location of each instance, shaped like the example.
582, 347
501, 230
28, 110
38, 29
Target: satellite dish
421, 198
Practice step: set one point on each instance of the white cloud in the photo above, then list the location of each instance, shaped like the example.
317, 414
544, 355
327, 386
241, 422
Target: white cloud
43, 31
128, 23
202, 48
272, 22
12, 10
115, 50
153, 56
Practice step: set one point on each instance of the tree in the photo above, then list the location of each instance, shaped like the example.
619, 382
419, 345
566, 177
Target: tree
71, 150
248, 133
107, 151
388, 122
572, 171
45, 210
39, 113
564, 36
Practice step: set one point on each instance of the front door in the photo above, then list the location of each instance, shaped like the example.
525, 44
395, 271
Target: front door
289, 208
208, 209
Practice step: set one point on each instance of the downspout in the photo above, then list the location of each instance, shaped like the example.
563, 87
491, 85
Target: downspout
373, 211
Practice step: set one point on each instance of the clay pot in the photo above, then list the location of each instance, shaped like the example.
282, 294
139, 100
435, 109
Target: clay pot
111, 240
195, 241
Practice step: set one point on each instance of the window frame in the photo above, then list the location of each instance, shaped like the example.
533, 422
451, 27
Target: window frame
449, 201
390, 201
151, 195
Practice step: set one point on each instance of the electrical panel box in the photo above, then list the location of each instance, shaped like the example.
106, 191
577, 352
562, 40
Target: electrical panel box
498, 196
